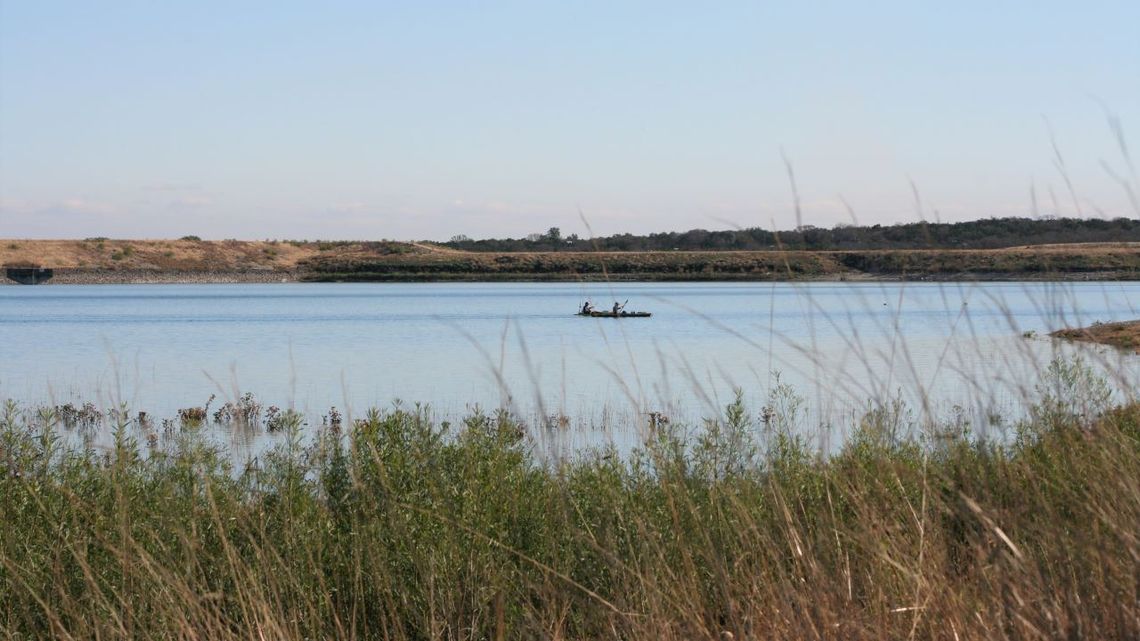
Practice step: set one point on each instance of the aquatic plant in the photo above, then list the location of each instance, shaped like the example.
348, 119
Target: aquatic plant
245, 411
278, 420
87, 416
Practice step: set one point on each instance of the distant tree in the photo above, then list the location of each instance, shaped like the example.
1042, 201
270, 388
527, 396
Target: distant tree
987, 233
554, 237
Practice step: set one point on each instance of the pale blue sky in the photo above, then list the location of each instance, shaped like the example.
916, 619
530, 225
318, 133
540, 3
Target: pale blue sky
423, 120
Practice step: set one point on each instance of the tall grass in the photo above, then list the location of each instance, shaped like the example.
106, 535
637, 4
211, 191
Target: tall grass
400, 526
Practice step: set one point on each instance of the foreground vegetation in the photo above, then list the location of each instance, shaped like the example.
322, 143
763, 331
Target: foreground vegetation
401, 527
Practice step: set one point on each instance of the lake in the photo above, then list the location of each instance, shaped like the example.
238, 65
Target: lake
969, 349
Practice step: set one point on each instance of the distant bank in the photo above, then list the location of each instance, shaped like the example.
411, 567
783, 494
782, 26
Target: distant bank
103, 260
1125, 335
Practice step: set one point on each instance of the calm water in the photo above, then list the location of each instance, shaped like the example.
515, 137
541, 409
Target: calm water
312, 346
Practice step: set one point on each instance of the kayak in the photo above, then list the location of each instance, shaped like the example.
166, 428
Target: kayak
597, 314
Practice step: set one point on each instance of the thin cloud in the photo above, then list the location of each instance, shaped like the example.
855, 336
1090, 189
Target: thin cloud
190, 202
173, 186
70, 207
353, 207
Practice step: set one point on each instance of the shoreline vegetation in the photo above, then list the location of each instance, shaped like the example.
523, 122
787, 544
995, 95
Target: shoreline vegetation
1123, 335
400, 526
189, 260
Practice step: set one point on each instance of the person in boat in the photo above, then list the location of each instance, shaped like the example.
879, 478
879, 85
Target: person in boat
617, 308
587, 307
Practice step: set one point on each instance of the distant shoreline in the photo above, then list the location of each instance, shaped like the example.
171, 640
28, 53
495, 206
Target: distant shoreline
143, 277
107, 261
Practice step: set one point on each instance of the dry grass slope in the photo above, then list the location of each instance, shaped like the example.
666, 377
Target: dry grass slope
184, 255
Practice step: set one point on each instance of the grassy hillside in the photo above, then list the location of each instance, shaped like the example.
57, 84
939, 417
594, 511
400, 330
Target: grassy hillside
176, 255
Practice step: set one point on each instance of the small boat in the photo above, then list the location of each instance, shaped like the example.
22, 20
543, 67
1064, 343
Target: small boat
598, 314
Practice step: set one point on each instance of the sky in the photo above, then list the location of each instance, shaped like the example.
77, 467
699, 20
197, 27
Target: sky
425, 120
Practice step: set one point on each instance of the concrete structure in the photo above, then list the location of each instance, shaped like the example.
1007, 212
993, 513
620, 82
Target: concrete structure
29, 275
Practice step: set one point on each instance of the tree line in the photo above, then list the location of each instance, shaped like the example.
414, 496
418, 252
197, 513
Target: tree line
990, 233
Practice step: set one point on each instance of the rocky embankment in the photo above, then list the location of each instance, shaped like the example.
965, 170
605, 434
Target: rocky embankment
144, 277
